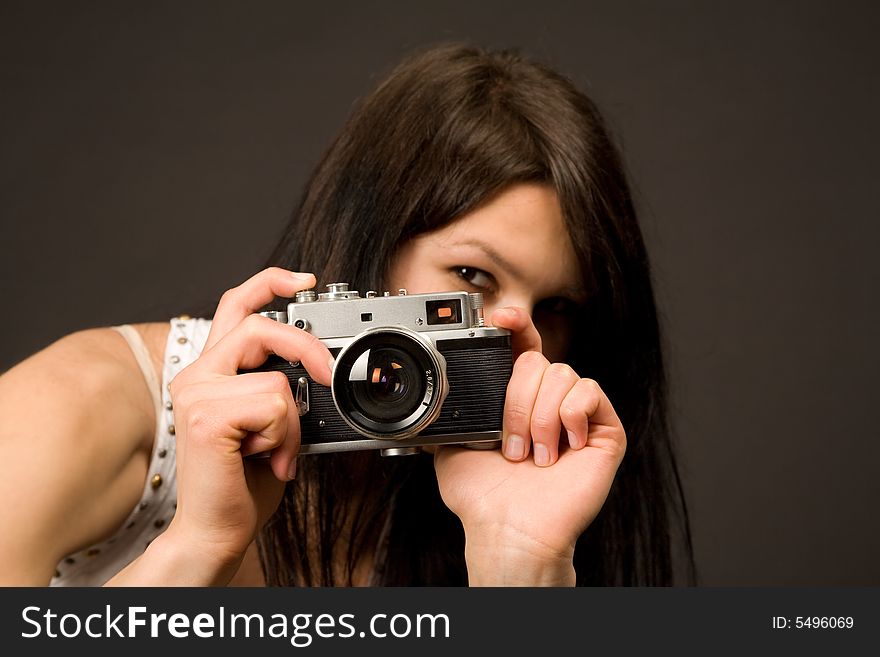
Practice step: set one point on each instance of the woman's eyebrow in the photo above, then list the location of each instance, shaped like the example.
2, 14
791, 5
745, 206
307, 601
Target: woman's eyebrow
577, 292
496, 258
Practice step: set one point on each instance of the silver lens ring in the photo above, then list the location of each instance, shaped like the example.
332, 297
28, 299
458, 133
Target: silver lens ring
401, 408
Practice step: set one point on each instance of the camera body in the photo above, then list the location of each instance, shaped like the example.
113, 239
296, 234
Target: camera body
410, 371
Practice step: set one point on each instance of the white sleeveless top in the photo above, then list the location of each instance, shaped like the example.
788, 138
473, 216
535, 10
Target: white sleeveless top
97, 563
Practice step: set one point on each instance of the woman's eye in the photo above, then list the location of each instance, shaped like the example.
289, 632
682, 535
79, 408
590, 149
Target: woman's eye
476, 277
557, 306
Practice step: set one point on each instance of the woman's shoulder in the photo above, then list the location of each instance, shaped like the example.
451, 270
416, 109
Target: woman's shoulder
98, 353
106, 353
131, 360
83, 363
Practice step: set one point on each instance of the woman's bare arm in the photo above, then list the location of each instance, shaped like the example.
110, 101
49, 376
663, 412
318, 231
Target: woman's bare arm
76, 428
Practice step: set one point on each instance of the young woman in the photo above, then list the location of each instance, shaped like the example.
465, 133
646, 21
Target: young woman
464, 170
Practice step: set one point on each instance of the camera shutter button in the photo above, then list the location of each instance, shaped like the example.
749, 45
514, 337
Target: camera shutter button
338, 291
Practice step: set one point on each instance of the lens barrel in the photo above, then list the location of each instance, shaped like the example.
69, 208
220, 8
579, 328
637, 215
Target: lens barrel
389, 382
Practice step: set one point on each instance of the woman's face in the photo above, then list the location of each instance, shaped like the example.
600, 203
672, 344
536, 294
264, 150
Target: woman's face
515, 250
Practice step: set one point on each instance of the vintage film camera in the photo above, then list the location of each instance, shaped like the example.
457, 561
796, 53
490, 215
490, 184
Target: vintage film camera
411, 370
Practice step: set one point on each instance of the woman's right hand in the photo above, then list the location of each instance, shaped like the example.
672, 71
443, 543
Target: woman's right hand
222, 416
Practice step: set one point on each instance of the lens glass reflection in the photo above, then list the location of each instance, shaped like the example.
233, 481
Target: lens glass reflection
386, 384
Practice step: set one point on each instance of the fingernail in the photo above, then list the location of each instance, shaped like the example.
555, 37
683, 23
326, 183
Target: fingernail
291, 471
574, 441
301, 275
514, 449
507, 312
331, 363
542, 454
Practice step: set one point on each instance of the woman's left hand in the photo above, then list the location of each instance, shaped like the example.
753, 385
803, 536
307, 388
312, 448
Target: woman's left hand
521, 515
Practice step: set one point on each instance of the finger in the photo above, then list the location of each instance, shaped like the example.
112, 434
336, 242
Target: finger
598, 424
257, 291
546, 425
226, 387
259, 419
573, 413
283, 456
248, 344
599, 409
283, 459
524, 336
519, 401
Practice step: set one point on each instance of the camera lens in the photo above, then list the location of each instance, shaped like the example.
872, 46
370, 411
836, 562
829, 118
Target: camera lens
388, 383
389, 387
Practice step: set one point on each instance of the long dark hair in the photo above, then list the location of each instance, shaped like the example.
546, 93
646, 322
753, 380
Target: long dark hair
447, 130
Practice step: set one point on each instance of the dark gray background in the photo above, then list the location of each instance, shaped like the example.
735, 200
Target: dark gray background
151, 152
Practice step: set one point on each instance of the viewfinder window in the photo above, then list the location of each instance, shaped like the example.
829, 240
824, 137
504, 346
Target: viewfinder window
443, 311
